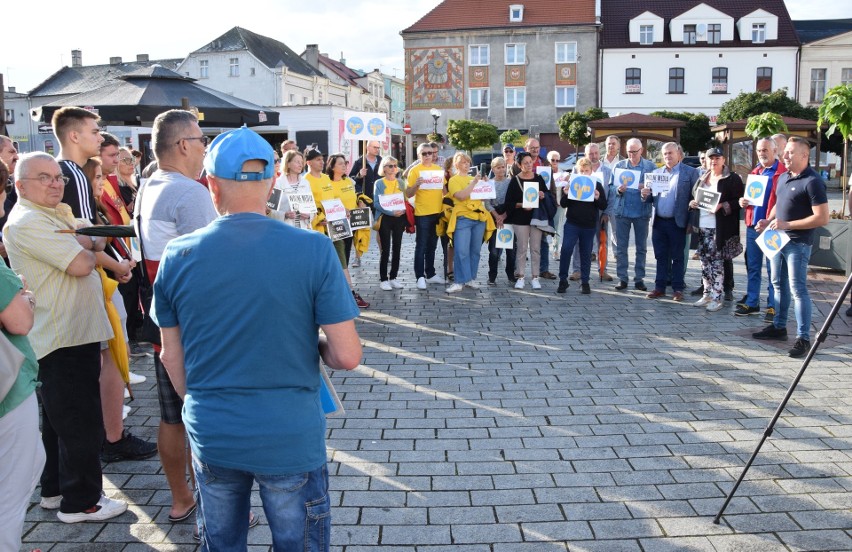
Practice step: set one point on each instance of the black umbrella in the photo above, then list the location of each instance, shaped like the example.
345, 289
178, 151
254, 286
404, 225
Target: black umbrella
137, 98
104, 230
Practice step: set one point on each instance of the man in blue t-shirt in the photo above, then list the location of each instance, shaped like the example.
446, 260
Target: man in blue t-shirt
801, 205
240, 303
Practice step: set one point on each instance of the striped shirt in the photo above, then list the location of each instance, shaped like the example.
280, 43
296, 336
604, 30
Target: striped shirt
78, 192
69, 310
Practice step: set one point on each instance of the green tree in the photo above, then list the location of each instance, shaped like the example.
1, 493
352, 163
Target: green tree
469, 135
574, 126
748, 104
510, 136
696, 135
836, 110
765, 125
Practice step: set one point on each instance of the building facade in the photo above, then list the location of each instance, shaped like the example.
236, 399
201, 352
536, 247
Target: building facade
826, 59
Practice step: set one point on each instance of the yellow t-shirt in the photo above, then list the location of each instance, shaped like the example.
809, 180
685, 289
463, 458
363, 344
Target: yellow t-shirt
426, 202
322, 190
460, 182
344, 190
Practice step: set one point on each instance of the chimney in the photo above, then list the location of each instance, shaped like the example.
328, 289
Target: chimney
342, 59
312, 55
142, 58
115, 60
12, 89
76, 58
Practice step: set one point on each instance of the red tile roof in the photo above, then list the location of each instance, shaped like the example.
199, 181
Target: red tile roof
453, 15
616, 16
340, 69
635, 120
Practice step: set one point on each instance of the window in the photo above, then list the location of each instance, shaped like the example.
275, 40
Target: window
646, 34
203, 68
251, 71
720, 80
516, 13
566, 52
676, 77
764, 79
235, 67
758, 33
478, 98
478, 55
689, 34
846, 75
9, 116
516, 54
817, 85
714, 33
566, 96
632, 80
516, 97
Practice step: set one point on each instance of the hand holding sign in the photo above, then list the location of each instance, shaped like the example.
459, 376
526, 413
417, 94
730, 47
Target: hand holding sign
431, 180
484, 189
530, 195
505, 237
581, 188
755, 190
771, 242
545, 173
626, 178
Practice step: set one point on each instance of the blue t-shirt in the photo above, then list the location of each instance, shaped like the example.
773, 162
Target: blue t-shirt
249, 294
795, 199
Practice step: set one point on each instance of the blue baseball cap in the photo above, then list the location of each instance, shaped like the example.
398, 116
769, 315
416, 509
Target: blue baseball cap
230, 150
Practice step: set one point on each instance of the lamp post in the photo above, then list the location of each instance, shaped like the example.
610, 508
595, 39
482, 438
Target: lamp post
435, 116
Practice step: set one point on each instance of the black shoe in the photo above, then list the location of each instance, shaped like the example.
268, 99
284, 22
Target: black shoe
129, 447
563, 286
743, 300
512, 279
622, 285
800, 348
492, 282
745, 310
771, 332
729, 296
697, 292
640, 285
585, 289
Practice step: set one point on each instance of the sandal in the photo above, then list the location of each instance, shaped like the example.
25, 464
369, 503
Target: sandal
184, 516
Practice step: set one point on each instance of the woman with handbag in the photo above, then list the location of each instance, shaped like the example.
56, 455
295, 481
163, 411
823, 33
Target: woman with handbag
391, 223
719, 230
20, 440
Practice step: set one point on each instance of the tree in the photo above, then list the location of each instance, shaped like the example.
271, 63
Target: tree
510, 136
574, 126
470, 135
836, 110
695, 136
765, 125
748, 104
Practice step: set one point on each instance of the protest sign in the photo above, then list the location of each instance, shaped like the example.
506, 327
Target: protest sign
431, 180
545, 174
483, 190
530, 195
360, 218
707, 200
755, 190
505, 237
660, 183
392, 202
771, 242
627, 177
581, 188
334, 210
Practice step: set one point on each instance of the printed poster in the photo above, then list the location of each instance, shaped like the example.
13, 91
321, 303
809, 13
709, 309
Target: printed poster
431, 180
334, 210
581, 188
561, 179
339, 229
484, 190
627, 177
755, 189
360, 218
392, 202
660, 183
505, 237
364, 126
530, 195
771, 242
707, 200
546, 174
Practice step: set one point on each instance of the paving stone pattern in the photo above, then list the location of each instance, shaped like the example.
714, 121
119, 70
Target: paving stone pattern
501, 420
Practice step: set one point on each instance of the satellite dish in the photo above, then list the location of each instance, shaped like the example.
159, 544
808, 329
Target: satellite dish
701, 28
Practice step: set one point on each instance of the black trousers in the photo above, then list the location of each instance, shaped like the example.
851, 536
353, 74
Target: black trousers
390, 238
72, 426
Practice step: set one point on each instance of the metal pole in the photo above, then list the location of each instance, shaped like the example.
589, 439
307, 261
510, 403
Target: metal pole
820, 337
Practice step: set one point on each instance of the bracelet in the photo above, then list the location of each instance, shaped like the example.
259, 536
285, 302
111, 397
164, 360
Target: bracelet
31, 299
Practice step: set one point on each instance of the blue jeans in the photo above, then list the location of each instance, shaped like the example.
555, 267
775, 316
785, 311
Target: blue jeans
622, 237
583, 238
426, 241
790, 274
754, 266
297, 508
668, 239
467, 245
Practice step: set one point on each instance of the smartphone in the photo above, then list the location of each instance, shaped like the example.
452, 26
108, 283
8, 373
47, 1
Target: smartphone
482, 170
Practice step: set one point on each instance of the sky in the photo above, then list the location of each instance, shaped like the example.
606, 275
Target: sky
365, 31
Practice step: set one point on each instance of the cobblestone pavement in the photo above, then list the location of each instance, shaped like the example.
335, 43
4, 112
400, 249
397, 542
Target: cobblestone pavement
516, 421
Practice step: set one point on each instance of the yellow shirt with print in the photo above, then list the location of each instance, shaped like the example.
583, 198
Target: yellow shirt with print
344, 190
426, 202
322, 190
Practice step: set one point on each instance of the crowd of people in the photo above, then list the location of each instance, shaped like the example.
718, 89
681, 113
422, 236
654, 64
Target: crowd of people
72, 301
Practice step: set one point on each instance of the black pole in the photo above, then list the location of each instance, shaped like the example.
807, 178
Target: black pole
820, 337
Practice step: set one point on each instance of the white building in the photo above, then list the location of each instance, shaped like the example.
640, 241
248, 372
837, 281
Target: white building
826, 59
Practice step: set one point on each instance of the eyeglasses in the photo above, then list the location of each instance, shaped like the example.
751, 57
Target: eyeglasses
126, 160
390, 166
277, 161
425, 153
508, 150
632, 152
204, 139
47, 180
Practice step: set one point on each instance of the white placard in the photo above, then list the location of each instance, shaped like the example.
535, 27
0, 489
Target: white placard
545, 173
364, 126
660, 183
707, 200
530, 195
431, 180
301, 203
561, 179
392, 202
484, 190
505, 237
627, 177
771, 242
755, 189
581, 188
334, 210
599, 177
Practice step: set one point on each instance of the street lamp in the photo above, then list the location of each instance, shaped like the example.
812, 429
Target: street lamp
435, 116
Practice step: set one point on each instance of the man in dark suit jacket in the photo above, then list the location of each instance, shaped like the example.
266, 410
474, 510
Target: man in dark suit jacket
670, 220
365, 170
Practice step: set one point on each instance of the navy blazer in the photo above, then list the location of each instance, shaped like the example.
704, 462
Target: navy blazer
687, 177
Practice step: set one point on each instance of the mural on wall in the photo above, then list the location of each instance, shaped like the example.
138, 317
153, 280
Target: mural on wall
434, 77
516, 75
477, 77
566, 74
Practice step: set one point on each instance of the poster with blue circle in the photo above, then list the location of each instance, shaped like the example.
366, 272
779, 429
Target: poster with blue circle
376, 128
581, 188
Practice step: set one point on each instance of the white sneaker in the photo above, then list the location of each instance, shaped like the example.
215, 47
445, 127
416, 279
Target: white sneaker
703, 302
356, 263
520, 283
454, 288
136, 379
713, 306
50, 502
471, 285
436, 280
386, 285
421, 283
396, 284
536, 284
107, 508
125, 410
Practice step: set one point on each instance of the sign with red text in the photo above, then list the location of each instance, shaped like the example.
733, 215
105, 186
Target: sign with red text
431, 180
484, 190
334, 210
392, 202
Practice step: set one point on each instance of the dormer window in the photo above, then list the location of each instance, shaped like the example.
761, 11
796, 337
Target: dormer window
516, 13
758, 33
689, 34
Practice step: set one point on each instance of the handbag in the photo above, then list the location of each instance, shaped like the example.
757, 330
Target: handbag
11, 360
732, 248
409, 216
